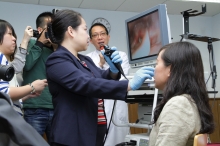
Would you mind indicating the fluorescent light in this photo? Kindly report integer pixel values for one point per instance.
(206, 1)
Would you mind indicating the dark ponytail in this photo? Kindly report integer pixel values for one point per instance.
(62, 20)
(50, 33)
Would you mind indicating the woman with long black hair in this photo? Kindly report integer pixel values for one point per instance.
(184, 110)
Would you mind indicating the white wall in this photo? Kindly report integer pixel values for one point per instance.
(21, 15)
(216, 47)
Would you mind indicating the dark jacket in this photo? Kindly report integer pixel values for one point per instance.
(75, 91)
(14, 131)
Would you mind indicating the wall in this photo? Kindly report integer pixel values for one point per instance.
(216, 47)
(21, 15)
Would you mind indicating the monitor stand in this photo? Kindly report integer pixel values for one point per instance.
(143, 138)
(209, 40)
(191, 13)
(200, 38)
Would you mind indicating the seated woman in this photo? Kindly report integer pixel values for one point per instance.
(184, 110)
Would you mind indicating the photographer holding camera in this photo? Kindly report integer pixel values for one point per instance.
(38, 112)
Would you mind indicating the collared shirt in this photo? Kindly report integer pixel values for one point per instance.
(116, 134)
(96, 59)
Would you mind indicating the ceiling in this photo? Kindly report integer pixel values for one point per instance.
(173, 7)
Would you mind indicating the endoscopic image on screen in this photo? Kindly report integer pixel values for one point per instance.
(145, 35)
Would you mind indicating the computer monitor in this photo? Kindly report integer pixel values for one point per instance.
(146, 33)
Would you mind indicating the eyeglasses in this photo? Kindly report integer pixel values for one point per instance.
(102, 34)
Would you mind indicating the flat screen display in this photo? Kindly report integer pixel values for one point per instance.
(147, 32)
(145, 35)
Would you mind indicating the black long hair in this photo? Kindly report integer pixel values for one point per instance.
(186, 77)
(62, 20)
(4, 25)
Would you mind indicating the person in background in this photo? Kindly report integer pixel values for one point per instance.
(8, 53)
(76, 83)
(15, 131)
(38, 112)
(20, 55)
(184, 110)
(99, 35)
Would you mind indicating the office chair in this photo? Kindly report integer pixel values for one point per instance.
(200, 140)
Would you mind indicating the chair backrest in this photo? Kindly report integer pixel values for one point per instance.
(200, 140)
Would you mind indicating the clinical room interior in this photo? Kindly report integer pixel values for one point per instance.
(21, 13)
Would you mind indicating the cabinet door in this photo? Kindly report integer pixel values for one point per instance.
(133, 116)
(218, 127)
(215, 105)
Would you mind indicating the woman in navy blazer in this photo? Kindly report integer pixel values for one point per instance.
(76, 87)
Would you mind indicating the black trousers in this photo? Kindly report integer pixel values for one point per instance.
(56, 144)
(101, 130)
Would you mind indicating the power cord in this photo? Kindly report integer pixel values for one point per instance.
(106, 133)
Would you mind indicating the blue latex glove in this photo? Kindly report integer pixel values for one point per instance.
(140, 76)
(115, 58)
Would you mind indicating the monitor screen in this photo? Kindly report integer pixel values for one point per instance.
(146, 32)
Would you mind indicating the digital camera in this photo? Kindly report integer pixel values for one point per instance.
(35, 33)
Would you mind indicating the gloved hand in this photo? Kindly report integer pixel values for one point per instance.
(115, 58)
(140, 76)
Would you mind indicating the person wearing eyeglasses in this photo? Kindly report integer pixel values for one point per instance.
(99, 35)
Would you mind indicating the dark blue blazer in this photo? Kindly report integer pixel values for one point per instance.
(75, 90)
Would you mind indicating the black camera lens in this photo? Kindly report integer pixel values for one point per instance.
(6, 72)
(35, 33)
